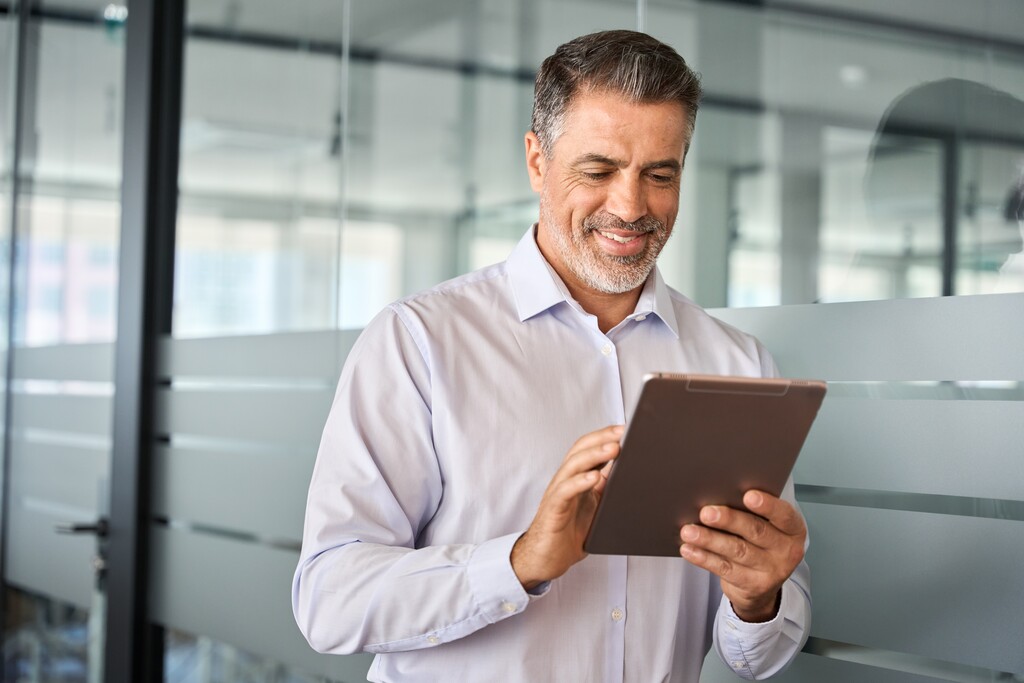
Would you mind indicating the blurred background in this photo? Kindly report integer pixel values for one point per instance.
(333, 155)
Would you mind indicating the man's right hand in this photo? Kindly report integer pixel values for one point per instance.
(554, 541)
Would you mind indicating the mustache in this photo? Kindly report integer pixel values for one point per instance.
(606, 221)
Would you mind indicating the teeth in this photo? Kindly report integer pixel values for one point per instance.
(620, 240)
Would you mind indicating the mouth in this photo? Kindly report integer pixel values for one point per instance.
(621, 243)
(621, 238)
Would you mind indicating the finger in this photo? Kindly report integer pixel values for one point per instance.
(593, 458)
(782, 515)
(564, 495)
(609, 433)
(750, 527)
(605, 472)
(733, 548)
(714, 563)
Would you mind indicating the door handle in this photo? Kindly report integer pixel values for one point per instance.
(98, 528)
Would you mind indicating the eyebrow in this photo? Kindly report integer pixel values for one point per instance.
(592, 158)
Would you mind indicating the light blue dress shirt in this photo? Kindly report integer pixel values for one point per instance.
(454, 409)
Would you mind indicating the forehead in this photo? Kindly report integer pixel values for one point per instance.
(607, 123)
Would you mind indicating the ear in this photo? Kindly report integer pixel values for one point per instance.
(536, 162)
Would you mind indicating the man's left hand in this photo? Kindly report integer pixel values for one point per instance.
(753, 553)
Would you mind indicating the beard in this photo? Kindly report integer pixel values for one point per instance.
(598, 269)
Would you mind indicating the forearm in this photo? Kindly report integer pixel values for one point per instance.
(376, 598)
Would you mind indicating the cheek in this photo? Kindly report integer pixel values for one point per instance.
(664, 207)
(575, 205)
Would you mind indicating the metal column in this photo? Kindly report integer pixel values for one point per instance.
(152, 122)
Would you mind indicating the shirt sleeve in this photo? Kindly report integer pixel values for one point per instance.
(759, 651)
(362, 584)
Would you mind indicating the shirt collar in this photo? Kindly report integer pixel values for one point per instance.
(534, 285)
(537, 287)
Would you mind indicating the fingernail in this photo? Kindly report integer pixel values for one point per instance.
(685, 550)
(609, 447)
(710, 514)
(619, 429)
(689, 533)
(756, 499)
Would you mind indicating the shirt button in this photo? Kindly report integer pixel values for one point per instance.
(641, 317)
(730, 625)
(616, 614)
(607, 349)
(433, 640)
(508, 607)
(737, 665)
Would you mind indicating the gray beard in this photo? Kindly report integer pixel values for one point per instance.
(604, 272)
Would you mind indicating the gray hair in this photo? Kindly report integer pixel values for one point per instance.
(640, 68)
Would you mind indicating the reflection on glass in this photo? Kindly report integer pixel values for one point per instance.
(754, 262)
(68, 222)
(45, 640)
(198, 659)
(69, 208)
(865, 171)
(991, 231)
(887, 243)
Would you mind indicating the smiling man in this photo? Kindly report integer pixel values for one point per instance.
(453, 491)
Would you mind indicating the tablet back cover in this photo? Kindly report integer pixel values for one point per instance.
(698, 440)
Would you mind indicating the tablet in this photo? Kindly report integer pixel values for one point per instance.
(698, 440)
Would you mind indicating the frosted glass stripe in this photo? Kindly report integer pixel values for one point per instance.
(77, 362)
(935, 586)
(929, 391)
(278, 416)
(288, 354)
(267, 490)
(957, 448)
(238, 593)
(810, 668)
(66, 475)
(934, 669)
(953, 338)
(40, 560)
(63, 413)
(832, 662)
(960, 506)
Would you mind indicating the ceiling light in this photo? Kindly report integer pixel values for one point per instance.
(853, 75)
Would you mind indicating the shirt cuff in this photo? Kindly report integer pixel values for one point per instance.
(746, 647)
(789, 609)
(496, 588)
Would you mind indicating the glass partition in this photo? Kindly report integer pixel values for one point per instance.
(849, 152)
(68, 63)
(336, 156)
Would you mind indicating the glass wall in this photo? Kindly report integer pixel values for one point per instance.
(339, 154)
(67, 65)
(844, 153)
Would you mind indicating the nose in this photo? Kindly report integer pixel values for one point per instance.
(626, 199)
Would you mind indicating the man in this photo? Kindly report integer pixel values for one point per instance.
(444, 528)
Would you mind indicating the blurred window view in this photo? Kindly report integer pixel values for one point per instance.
(336, 155)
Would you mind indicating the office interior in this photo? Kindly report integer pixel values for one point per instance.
(204, 202)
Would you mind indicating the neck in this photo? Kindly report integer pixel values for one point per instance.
(610, 309)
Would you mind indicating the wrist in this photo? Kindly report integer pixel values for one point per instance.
(760, 611)
(521, 565)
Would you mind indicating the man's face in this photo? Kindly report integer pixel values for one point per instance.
(609, 194)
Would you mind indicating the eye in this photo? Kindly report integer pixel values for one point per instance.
(662, 178)
(595, 175)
